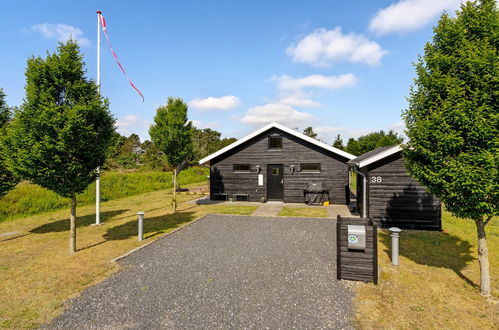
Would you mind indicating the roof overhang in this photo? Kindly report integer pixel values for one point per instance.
(376, 157)
(282, 128)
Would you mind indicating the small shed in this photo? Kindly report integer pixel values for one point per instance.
(389, 196)
(276, 163)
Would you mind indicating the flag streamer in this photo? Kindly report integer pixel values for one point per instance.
(104, 28)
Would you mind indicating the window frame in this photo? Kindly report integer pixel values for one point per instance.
(309, 170)
(273, 136)
(241, 171)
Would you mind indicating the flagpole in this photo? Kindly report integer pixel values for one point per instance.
(97, 180)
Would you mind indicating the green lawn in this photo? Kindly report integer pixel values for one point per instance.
(309, 211)
(28, 199)
(436, 284)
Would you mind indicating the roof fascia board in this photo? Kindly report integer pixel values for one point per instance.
(282, 128)
(381, 155)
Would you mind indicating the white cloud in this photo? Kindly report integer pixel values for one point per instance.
(298, 100)
(133, 124)
(408, 15)
(61, 32)
(287, 83)
(199, 124)
(323, 47)
(281, 113)
(216, 103)
(328, 133)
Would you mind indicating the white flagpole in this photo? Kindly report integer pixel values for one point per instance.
(97, 181)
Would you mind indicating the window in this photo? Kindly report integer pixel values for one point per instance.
(311, 167)
(242, 167)
(275, 142)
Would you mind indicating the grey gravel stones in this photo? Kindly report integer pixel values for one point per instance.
(223, 272)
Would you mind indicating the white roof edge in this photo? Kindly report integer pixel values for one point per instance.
(381, 155)
(282, 128)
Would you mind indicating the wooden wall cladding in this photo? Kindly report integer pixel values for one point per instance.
(356, 265)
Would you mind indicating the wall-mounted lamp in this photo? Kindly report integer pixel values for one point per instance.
(292, 169)
(258, 169)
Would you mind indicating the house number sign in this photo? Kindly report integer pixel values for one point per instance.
(376, 179)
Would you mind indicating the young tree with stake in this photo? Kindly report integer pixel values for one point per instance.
(172, 133)
(62, 131)
(453, 119)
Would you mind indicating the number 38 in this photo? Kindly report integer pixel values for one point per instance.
(376, 179)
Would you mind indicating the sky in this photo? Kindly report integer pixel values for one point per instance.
(342, 67)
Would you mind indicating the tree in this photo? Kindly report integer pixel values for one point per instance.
(7, 179)
(205, 142)
(152, 158)
(372, 141)
(61, 133)
(172, 133)
(309, 131)
(452, 119)
(338, 142)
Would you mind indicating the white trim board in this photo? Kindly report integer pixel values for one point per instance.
(381, 155)
(282, 128)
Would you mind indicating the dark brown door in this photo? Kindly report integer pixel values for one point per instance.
(275, 183)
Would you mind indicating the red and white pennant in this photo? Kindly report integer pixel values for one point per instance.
(104, 28)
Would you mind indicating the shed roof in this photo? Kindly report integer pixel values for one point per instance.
(282, 128)
(375, 155)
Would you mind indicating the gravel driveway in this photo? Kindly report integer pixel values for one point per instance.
(223, 272)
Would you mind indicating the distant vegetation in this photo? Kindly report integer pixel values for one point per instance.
(28, 199)
(368, 142)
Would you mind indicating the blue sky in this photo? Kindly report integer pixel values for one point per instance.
(338, 66)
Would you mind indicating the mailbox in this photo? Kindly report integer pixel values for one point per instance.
(356, 237)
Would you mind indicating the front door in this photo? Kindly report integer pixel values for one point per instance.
(275, 183)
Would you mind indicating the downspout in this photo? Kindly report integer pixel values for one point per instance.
(364, 191)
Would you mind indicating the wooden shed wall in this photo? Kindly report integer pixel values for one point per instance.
(334, 170)
(398, 200)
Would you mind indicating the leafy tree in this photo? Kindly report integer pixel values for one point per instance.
(309, 131)
(7, 179)
(152, 158)
(338, 142)
(62, 131)
(172, 133)
(205, 142)
(452, 119)
(372, 141)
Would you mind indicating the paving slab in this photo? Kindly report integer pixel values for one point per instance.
(223, 272)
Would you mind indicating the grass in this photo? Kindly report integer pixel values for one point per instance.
(37, 274)
(28, 199)
(234, 209)
(314, 212)
(436, 284)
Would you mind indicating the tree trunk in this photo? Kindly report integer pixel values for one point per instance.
(72, 226)
(483, 258)
(174, 190)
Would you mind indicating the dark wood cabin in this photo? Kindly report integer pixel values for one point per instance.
(393, 197)
(276, 163)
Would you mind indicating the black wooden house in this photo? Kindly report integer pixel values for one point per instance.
(389, 196)
(276, 163)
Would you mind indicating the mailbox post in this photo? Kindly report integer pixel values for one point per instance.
(356, 250)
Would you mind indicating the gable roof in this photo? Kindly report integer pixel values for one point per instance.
(282, 128)
(375, 155)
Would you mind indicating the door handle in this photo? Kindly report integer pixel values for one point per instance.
(282, 181)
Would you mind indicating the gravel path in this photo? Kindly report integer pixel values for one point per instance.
(223, 272)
